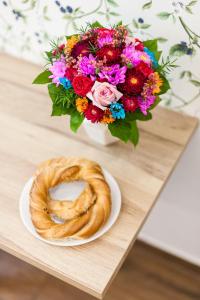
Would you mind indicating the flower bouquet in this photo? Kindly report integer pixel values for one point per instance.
(106, 76)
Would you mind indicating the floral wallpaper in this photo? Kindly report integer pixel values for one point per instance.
(28, 26)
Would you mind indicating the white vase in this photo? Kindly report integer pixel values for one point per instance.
(99, 133)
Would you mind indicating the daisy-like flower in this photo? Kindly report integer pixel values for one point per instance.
(117, 110)
(81, 48)
(58, 71)
(65, 82)
(152, 85)
(144, 69)
(93, 113)
(130, 55)
(134, 82)
(130, 103)
(157, 82)
(81, 104)
(145, 103)
(87, 65)
(111, 54)
(114, 74)
(107, 117)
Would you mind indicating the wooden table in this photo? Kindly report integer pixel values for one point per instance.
(29, 135)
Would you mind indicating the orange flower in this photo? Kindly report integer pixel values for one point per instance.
(107, 117)
(157, 82)
(71, 42)
(81, 104)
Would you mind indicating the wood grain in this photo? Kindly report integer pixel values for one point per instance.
(147, 274)
(29, 135)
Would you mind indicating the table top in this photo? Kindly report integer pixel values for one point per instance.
(29, 135)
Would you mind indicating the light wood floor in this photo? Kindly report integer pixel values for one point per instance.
(147, 274)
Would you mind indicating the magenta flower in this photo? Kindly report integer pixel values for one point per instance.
(58, 70)
(87, 65)
(105, 40)
(114, 74)
(145, 103)
(130, 55)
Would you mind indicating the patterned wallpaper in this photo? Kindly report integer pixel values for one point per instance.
(27, 26)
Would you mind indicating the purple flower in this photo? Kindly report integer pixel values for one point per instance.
(105, 40)
(58, 70)
(133, 56)
(145, 103)
(87, 65)
(114, 74)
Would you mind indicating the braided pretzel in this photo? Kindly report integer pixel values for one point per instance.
(82, 217)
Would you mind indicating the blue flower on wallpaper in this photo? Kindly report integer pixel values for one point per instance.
(67, 9)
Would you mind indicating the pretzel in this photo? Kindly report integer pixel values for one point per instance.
(82, 217)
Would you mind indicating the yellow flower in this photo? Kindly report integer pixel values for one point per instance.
(157, 82)
(107, 117)
(81, 104)
(71, 42)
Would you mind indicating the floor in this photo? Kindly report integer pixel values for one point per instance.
(147, 274)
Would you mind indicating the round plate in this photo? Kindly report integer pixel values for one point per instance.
(72, 190)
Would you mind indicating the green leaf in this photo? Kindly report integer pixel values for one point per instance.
(164, 15)
(49, 55)
(195, 82)
(69, 36)
(147, 5)
(113, 3)
(157, 54)
(177, 50)
(96, 25)
(62, 96)
(188, 10)
(43, 78)
(134, 133)
(161, 40)
(112, 13)
(119, 23)
(137, 115)
(152, 45)
(76, 120)
(135, 24)
(165, 86)
(185, 74)
(145, 26)
(59, 110)
(192, 3)
(120, 129)
(53, 91)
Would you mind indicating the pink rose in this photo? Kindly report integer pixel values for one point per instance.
(103, 94)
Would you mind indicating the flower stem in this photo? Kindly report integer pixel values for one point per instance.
(188, 31)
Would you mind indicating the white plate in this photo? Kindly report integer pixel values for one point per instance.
(72, 190)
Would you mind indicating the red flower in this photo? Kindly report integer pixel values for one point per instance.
(129, 103)
(82, 85)
(139, 45)
(144, 69)
(110, 53)
(134, 82)
(103, 32)
(82, 47)
(94, 113)
(71, 73)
